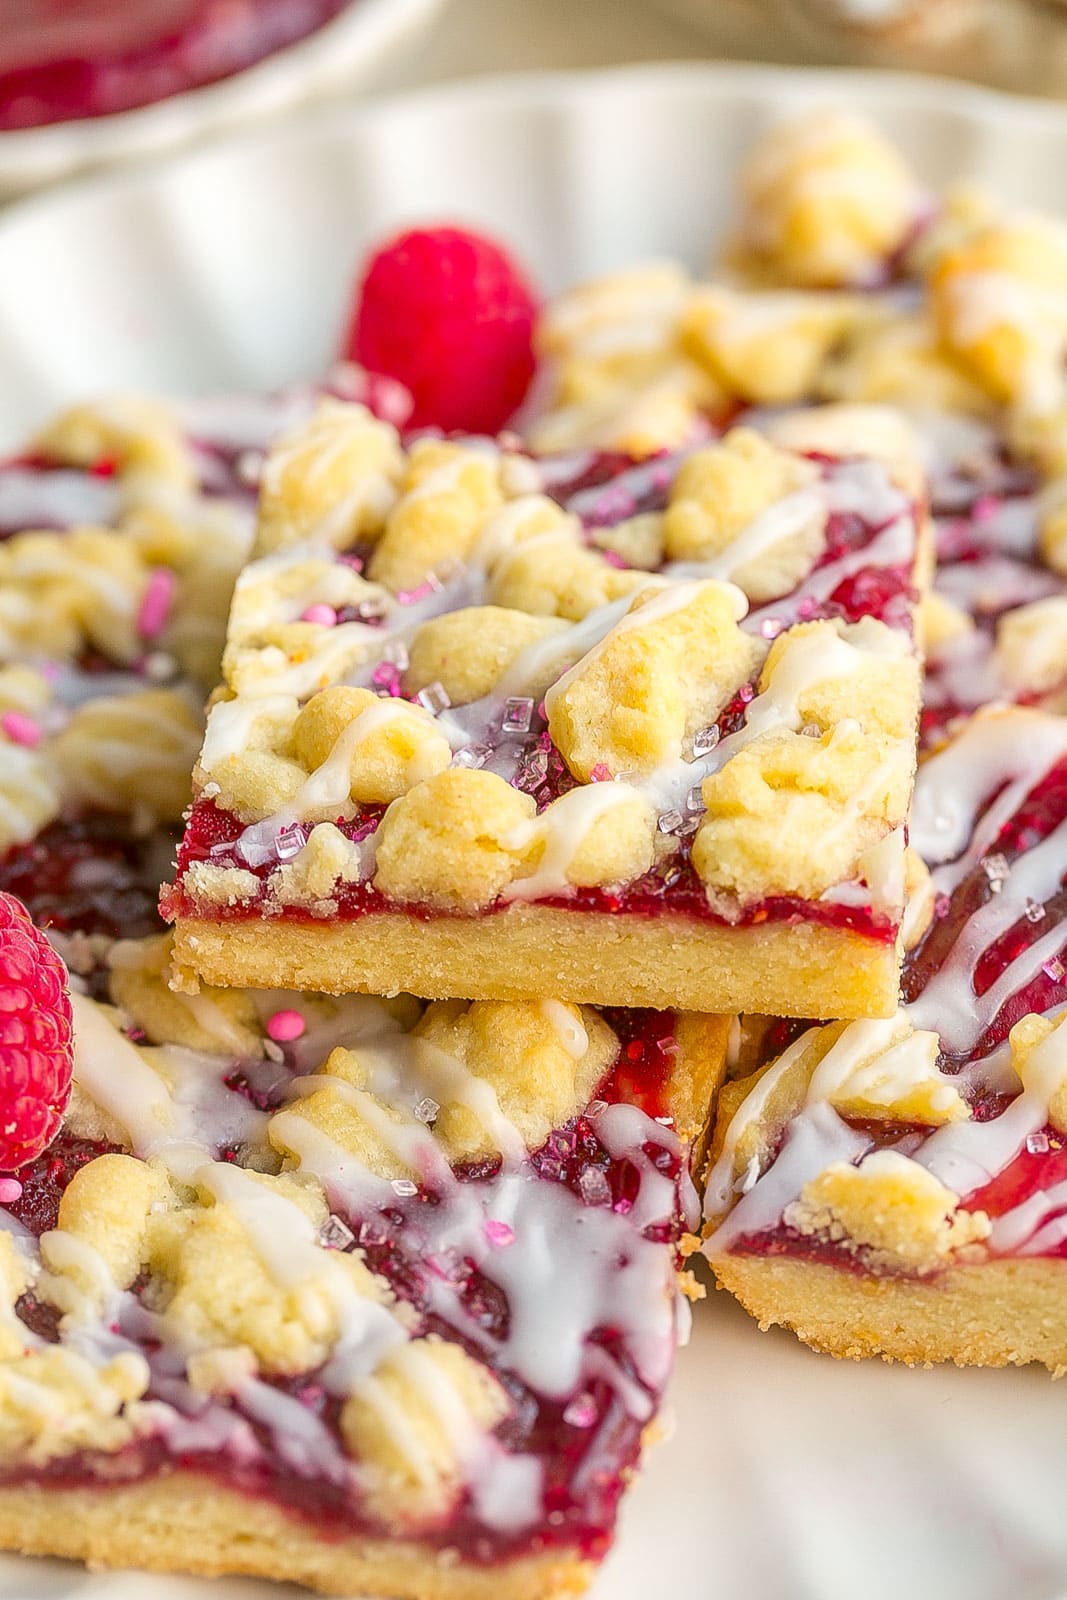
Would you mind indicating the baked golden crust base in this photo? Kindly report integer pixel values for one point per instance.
(1001, 1313)
(667, 962)
(184, 1522)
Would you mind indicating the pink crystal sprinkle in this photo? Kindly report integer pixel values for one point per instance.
(320, 613)
(21, 729)
(581, 1412)
(285, 1025)
(10, 1191)
(601, 773)
(499, 1233)
(155, 607)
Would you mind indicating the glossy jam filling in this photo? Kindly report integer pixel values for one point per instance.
(587, 1446)
(672, 889)
(62, 60)
(90, 875)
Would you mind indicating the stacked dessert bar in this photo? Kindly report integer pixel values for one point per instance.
(555, 850)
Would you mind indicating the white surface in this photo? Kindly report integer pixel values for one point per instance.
(342, 51)
(790, 1477)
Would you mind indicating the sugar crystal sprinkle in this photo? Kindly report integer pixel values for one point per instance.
(290, 842)
(581, 1412)
(996, 869)
(499, 1233)
(1035, 911)
(1054, 969)
(518, 712)
(434, 698)
(596, 1190)
(1037, 1143)
(404, 1187)
(694, 800)
(426, 1110)
(670, 821)
(706, 740)
(473, 755)
(373, 1230)
(335, 1234)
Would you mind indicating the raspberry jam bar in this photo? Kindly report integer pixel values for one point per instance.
(899, 1187)
(371, 1295)
(626, 734)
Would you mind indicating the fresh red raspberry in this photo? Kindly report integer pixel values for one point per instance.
(450, 315)
(36, 1038)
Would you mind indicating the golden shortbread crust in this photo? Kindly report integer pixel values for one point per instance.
(800, 970)
(186, 1522)
(996, 1314)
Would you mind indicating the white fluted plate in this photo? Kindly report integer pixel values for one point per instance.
(789, 1477)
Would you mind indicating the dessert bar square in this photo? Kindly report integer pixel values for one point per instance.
(627, 734)
(899, 1187)
(302, 1309)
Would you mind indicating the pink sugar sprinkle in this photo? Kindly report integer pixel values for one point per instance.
(155, 607)
(408, 597)
(21, 729)
(10, 1191)
(323, 614)
(285, 1025)
(600, 773)
(386, 676)
(499, 1233)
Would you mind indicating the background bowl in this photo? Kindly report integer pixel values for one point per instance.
(335, 56)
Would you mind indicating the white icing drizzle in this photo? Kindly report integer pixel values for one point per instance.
(1024, 1226)
(814, 1140)
(183, 1124)
(59, 499)
(893, 546)
(1005, 752)
(568, 1027)
(948, 1000)
(328, 788)
(560, 829)
(967, 1155)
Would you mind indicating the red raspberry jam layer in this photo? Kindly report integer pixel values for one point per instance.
(89, 58)
(672, 889)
